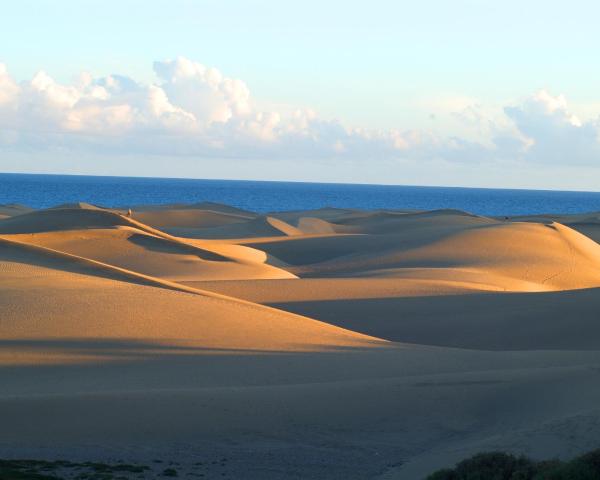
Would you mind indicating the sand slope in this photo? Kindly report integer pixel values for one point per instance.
(321, 344)
(586, 223)
(13, 209)
(87, 302)
(117, 240)
(507, 256)
(429, 312)
(258, 227)
(188, 217)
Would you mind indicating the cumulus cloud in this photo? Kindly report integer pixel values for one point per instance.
(192, 109)
(8, 88)
(202, 91)
(552, 133)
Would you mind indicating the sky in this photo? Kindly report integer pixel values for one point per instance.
(434, 92)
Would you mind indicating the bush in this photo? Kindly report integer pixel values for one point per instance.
(504, 466)
(495, 466)
(445, 474)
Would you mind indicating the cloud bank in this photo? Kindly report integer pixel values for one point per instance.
(194, 110)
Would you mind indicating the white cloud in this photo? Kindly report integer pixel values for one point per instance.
(195, 110)
(552, 134)
(191, 110)
(203, 91)
(9, 90)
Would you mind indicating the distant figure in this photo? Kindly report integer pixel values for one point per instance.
(129, 212)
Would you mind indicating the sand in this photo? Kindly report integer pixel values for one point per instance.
(322, 344)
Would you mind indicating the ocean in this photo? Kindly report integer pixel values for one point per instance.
(41, 191)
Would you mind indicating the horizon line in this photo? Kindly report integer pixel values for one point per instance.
(458, 187)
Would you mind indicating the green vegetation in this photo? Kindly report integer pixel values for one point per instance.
(26, 470)
(503, 466)
(51, 470)
(169, 472)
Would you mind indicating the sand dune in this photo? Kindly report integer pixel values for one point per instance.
(77, 205)
(327, 343)
(509, 256)
(586, 223)
(117, 240)
(259, 227)
(430, 312)
(13, 209)
(190, 218)
(392, 222)
(86, 303)
(203, 206)
(57, 219)
(325, 213)
(135, 250)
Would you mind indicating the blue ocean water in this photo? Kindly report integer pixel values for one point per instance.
(49, 190)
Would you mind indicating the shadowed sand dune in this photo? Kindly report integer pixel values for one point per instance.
(262, 226)
(188, 218)
(199, 206)
(13, 209)
(59, 219)
(508, 256)
(329, 343)
(434, 313)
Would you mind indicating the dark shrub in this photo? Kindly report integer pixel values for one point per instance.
(495, 466)
(445, 474)
(585, 467)
(503, 466)
(592, 459)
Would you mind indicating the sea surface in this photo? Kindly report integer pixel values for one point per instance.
(41, 191)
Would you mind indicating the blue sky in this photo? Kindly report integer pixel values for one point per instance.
(468, 92)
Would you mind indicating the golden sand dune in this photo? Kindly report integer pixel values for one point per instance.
(410, 340)
(586, 223)
(85, 301)
(136, 250)
(509, 256)
(120, 241)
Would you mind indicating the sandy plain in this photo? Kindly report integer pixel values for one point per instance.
(317, 344)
